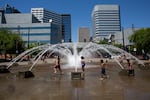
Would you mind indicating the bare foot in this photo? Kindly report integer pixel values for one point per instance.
(101, 79)
(55, 72)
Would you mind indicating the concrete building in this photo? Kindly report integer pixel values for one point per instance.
(105, 20)
(31, 29)
(44, 15)
(84, 34)
(31, 32)
(63, 20)
(26, 26)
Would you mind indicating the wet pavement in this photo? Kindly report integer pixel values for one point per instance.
(48, 86)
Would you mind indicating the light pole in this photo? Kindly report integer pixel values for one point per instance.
(123, 38)
(28, 36)
(17, 41)
(19, 30)
(50, 21)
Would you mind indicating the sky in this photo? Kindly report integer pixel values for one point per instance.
(133, 12)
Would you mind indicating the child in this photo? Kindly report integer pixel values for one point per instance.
(130, 68)
(57, 65)
(82, 63)
(103, 70)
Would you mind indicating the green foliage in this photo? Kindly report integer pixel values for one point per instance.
(118, 45)
(141, 39)
(31, 45)
(9, 41)
(103, 42)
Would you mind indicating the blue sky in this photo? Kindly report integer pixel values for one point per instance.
(135, 12)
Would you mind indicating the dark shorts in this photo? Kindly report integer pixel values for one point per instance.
(58, 66)
(103, 71)
(131, 72)
(83, 65)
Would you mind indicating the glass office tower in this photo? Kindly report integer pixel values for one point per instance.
(66, 27)
(106, 20)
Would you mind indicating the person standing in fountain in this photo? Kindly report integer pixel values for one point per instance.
(57, 65)
(130, 68)
(82, 64)
(103, 70)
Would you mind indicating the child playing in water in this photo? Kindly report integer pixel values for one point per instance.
(82, 63)
(130, 68)
(57, 65)
(103, 70)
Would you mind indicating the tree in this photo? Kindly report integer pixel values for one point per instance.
(10, 42)
(141, 40)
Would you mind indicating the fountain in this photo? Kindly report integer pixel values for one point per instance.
(72, 53)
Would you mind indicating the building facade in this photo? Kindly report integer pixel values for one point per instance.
(105, 20)
(31, 31)
(31, 28)
(44, 16)
(84, 34)
(66, 27)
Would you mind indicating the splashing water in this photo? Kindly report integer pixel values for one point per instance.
(74, 59)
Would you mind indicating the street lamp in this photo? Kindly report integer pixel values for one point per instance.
(19, 30)
(123, 38)
(28, 36)
(50, 21)
(16, 43)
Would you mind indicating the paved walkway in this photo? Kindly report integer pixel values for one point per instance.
(48, 86)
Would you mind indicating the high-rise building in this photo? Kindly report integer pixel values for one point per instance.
(84, 34)
(105, 20)
(44, 15)
(66, 27)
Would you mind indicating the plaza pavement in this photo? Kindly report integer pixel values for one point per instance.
(48, 86)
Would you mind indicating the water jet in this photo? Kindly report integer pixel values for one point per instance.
(72, 53)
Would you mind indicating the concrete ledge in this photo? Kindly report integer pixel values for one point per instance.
(26, 74)
(76, 75)
(3, 69)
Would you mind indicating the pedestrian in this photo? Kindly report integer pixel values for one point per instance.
(103, 70)
(83, 64)
(57, 65)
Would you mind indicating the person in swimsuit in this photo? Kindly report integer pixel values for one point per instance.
(103, 70)
(82, 63)
(57, 65)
